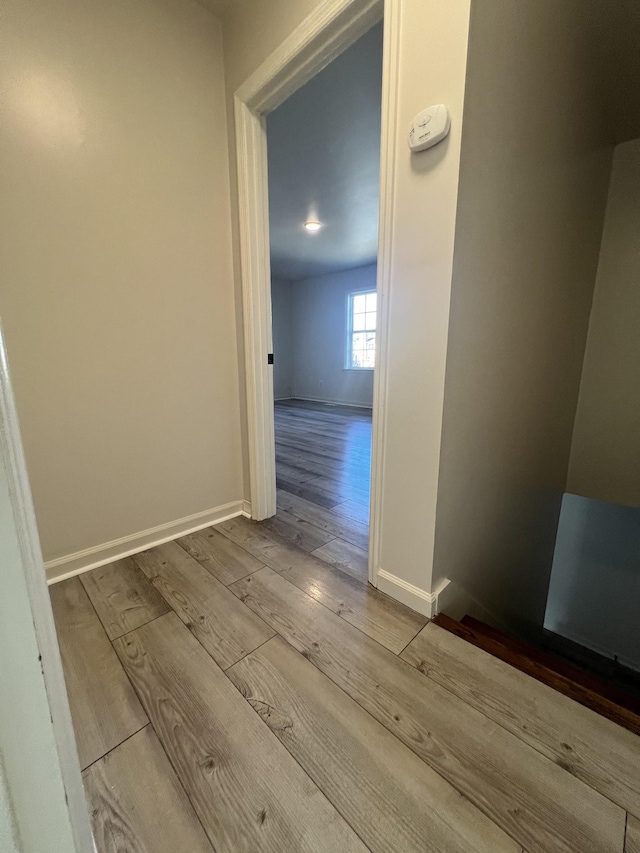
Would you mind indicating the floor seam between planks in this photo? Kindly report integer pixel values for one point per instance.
(118, 745)
(204, 567)
(322, 604)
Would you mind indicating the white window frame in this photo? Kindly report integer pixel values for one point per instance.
(348, 357)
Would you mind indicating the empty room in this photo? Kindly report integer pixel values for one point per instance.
(323, 145)
(318, 426)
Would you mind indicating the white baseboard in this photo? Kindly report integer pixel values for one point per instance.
(331, 402)
(406, 593)
(246, 509)
(284, 397)
(82, 561)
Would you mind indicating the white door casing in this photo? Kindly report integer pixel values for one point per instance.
(42, 805)
(326, 33)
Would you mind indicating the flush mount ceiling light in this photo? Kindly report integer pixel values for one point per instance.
(312, 226)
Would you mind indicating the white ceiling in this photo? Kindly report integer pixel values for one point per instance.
(324, 161)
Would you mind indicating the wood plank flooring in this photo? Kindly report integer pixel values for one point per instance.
(104, 708)
(244, 689)
(633, 835)
(122, 596)
(128, 788)
(246, 788)
(320, 725)
(534, 800)
(602, 754)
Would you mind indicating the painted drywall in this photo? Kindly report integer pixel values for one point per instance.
(319, 338)
(530, 216)
(117, 287)
(594, 594)
(605, 450)
(282, 327)
(424, 196)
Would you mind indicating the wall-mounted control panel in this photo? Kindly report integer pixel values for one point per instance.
(429, 127)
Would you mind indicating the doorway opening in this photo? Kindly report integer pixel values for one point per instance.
(323, 146)
(309, 51)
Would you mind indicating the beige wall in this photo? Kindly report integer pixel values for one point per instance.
(533, 185)
(424, 203)
(605, 451)
(117, 292)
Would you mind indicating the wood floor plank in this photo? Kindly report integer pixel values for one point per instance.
(602, 754)
(633, 835)
(348, 486)
(122, 596)
(353, 509)
(326, 519)
(318, 463)
(295, 444)
(137, 804)
(349, 559)
(394, 801)
(294, 473)
(374, 613)
(220, 557)
(248, 791)
(536, 802)
(316, 495)
(226, 628)
(315, 465)
(104, 708)
(297, 531)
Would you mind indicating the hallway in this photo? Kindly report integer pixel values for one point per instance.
(244, 689)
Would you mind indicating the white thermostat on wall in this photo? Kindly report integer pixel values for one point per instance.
(429, 127)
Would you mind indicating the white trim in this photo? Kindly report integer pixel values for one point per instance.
(390, 85)
(332, 402)
(417, 599)
(82, 561)
(284, 397)
(326, 33)
(348, 342)
(246, 509)
(40, 767)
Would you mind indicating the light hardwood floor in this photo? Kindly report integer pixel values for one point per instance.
(244, 689)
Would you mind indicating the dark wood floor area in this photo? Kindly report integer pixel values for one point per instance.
(245, 689)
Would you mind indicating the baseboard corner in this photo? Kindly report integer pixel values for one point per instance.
(412, 596)
(246, 509)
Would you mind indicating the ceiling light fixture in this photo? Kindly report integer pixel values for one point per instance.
(312, 226)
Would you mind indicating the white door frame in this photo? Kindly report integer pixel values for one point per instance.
(326, 33)
(42, 804)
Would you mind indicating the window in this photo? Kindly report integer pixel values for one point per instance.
(361, 330)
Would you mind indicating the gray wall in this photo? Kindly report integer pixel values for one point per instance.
(595, 582)
(605, 451)
(282, 325)
(530, 215)
(319, 333)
